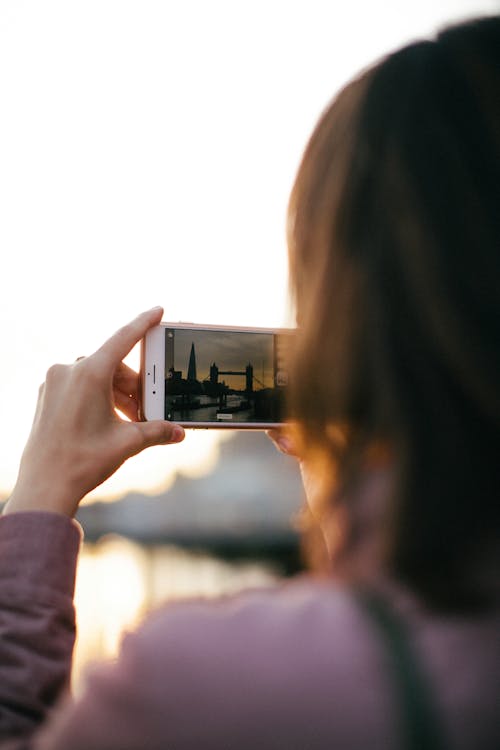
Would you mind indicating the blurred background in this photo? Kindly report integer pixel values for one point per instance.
(147, 150)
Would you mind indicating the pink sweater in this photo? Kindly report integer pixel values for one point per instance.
(297, 668)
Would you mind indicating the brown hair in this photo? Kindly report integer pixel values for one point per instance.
(394, 238)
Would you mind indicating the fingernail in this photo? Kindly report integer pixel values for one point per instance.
(285, 444)
(156, 308)
(177, 434)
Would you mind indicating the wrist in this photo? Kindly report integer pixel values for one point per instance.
(36, 496)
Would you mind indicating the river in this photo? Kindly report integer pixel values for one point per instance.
(119, 581)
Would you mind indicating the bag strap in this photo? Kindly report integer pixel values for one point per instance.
(421, 726)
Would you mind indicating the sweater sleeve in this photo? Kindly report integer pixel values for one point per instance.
(38, 554)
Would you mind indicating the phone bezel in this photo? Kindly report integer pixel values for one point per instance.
(153, 362)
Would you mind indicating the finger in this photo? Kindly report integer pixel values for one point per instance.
(274, 434)
(127, 404)
(126, 380)
(119, 345)
(156, 432)
(282, 441)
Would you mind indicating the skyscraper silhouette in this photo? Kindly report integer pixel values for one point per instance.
(192, 364)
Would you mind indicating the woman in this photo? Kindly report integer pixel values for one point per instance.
(394, 255)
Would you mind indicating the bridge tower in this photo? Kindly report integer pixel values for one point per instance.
(249, 378)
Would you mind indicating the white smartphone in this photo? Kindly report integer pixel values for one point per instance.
(215, 376)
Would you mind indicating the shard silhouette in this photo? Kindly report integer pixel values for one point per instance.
(192, 364)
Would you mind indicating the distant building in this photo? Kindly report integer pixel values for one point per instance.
(191, 374)
(174, 376)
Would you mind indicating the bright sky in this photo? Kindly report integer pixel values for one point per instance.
(147, 150)
(258, 349)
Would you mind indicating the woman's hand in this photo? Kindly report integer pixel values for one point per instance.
(77, 439)
(285, 441)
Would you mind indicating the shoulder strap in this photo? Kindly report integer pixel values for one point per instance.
(420, 724)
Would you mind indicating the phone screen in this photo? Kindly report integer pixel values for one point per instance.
(218, 376)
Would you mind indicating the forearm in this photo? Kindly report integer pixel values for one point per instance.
(38, 553)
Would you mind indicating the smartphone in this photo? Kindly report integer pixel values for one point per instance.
(211, 376)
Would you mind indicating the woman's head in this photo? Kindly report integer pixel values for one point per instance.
(394, 233)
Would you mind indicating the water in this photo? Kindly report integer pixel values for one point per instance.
(119, 581)
(208, 410)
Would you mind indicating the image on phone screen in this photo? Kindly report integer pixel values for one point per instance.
(225, 376)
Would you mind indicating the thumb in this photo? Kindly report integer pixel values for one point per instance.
(157, 432)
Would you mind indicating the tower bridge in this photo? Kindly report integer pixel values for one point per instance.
(247, 373)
